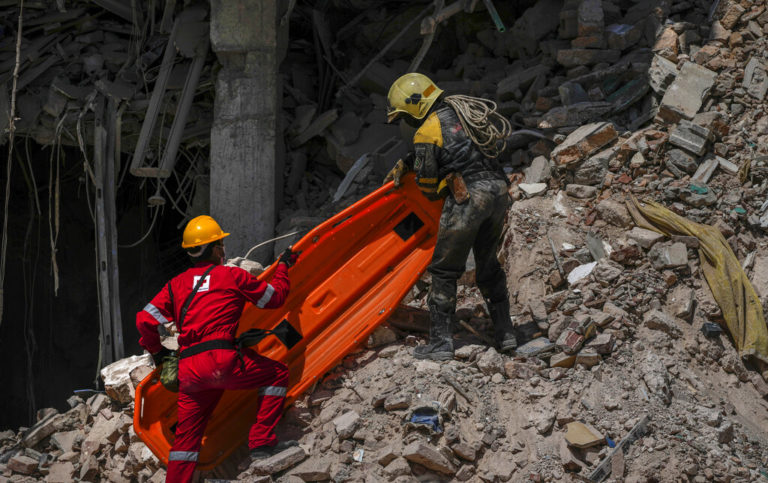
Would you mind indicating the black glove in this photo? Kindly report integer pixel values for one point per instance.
(158, 356)
(289, 257)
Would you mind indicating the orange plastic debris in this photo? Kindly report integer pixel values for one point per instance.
(354, 270)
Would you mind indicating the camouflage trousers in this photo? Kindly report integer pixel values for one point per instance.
(477, 225)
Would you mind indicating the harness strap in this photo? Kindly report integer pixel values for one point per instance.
(208, 345)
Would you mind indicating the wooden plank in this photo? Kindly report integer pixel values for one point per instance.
(182, 111)
(55, 17)
(167, 21)
(137, 168)
(111, 174)
(102, 264)
(34, 72)
(121, 9)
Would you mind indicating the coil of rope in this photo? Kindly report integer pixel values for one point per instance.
(486, 128)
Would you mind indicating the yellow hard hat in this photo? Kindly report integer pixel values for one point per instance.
(412, 94)
(201, 230)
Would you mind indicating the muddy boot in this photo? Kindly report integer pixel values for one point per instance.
(440, 345)
(503, 328)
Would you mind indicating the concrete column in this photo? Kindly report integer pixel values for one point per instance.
(245, 169)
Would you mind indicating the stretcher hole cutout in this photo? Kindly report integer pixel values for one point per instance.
(410, 225)
(324, 299)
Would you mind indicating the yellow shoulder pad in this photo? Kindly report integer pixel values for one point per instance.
(430, 132)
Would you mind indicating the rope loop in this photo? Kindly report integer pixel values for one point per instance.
(486, 128)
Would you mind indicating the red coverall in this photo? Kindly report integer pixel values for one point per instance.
(214, 314)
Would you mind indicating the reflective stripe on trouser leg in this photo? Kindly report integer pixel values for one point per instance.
(273, 391)
(262, 431)
(183, 455)
(271, 379)
(194, 411)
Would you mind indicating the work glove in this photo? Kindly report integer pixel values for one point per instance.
(158, 356)
(396, 173)
(289, 257)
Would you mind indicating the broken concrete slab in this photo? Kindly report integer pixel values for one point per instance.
(622, 36)
(731, 15)
(580, 191)
(570, 341)
(601, 344)
(539, 171)
(697, 195)
(705, 171)
(583, 142)
(681, 163)
(755, 79)
(614, 213)
(580, 272)
(562, 360)
(41, 430)
(65, 440)
(668, 255)
(666, 45)
(581, 435)
(644, 238)
(532, 189)
(575, 114)
(22, 464)
(537, 346)
(117, 377)
(279, 462)
(588, 358)
(690, 137)
(683, 99)
(727, 166)
(314, 469)
(428, 457)
(346, 424)
(60, 472)
(682, 301)
(592, 171)
(656, 319)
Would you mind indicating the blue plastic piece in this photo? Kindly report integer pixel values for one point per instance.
(428, 417)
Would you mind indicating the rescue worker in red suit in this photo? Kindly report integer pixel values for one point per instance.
(208, 363)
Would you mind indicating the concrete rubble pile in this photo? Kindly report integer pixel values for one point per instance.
(92, 441)
(625, 371)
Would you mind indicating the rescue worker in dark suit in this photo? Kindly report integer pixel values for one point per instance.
(442, 147)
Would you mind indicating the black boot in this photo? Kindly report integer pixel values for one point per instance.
(440, 345)
(503, 328)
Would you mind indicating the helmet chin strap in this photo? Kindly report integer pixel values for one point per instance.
(198, 252)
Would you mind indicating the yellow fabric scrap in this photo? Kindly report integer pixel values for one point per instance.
(730, 286)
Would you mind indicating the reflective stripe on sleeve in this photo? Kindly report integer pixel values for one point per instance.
(183, 455)
(155, 312)
(264, 300)
(272, 391)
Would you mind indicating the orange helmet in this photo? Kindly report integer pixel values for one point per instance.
(200, 231)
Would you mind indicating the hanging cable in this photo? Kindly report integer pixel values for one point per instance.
(486, 128)
(11, 131)
(152, 225)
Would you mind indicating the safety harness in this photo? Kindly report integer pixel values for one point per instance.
(284, 332)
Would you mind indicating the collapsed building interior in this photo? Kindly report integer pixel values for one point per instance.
(122, 121)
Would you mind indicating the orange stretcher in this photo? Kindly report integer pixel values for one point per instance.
(354, 270)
